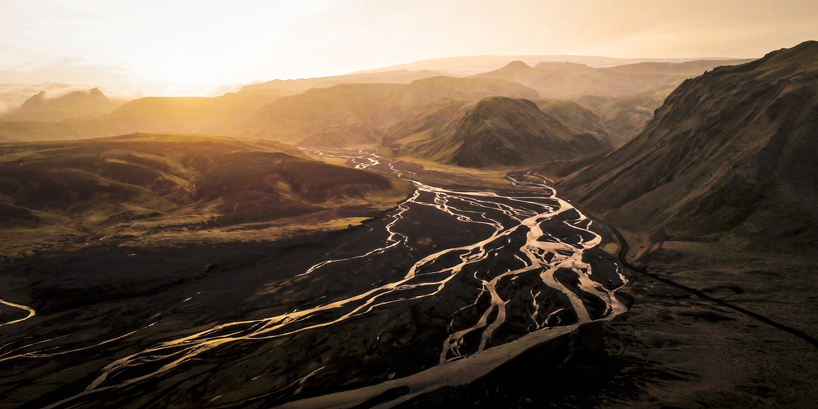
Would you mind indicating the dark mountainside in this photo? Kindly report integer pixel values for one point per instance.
(354, 114)
(507, 132)
(731, 155)
(76, 104)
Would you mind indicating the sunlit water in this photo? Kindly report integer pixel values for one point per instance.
(535, 264)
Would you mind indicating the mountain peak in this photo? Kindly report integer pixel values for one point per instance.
(492, 104)
(562, 66)
(501, 131)
(75, 104)
(516, 65)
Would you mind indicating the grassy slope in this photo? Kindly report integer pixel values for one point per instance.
(143, 189)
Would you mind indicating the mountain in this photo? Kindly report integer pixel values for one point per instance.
(731, 155)
(501, 131)
(433, 123)
(355, 114)
(464, 66)
(687, 68)
(336, 116)
(562, 66)
(76, 104)
(568, 80)
(72, 117)
(576, 116)
(623, 97)
(182, 115)
(442, 118)
(300, 85)
(201, 115)
(160, 186)
(624, 116)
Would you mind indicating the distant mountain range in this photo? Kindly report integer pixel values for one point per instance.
(76, 104)
(399, 109)
(569, 80)
(384, 77)
(464, 66)
(355, 114)
(730, 154)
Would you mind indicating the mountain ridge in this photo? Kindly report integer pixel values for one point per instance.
(502, 131)
(728, 156)
(75, 104)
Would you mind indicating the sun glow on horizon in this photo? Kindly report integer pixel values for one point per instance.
(184, 69)
(155, 45)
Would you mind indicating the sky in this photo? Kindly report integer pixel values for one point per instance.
(191, 47)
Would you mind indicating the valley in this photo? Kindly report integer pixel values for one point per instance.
(486, 231)
(556, 281)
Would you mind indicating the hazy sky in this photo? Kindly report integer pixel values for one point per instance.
(184, 46)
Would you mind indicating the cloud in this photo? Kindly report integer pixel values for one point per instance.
(12, 96)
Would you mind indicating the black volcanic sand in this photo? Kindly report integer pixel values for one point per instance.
(673, 349)
(105, 292)
(104, 303)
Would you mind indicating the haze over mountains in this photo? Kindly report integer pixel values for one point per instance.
(465, 66)
(75, 104)
(348, 115)
(569, 80)
(611, 103)
(487, 120)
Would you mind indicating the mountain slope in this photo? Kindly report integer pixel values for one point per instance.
(443, 118)
(433, 123)
(479, 64)
(300, 85)
(623, 97)
(182, 115)
(144, 187)
(731, 154)
(623, 117)
(575, 116)
(501, 131)
(354, 114)
(568, 80)
(216, 115)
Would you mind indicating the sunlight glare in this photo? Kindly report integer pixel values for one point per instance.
(184, 69)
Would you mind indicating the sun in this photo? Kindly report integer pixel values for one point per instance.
(184, 69)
